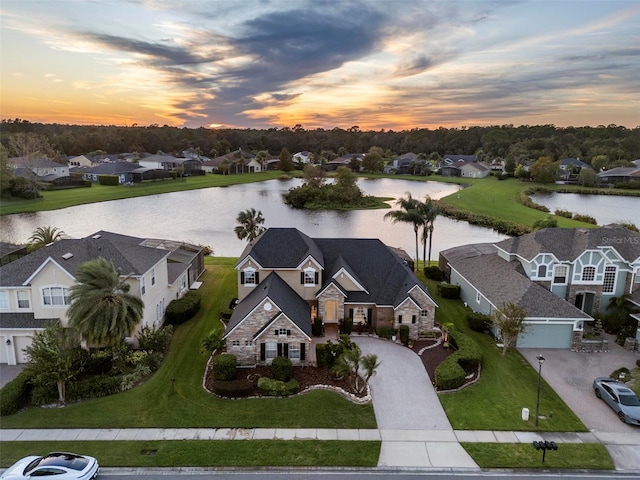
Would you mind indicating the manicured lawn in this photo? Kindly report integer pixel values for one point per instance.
(588, 456)
(99, 193)
(159, 402)
(207, 453)
(507, 384)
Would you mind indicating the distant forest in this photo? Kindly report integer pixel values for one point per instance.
(619, 144)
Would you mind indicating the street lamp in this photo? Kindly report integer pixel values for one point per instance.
(540, 362)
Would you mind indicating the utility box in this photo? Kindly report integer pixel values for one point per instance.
(525, 414)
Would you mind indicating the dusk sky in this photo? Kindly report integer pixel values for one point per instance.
(377, 64)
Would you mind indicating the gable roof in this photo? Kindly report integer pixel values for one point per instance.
(567, 244)
(111, 168)
(127, 254)
(281, 248)
(280, 293)
(502, 282)
(565, 162)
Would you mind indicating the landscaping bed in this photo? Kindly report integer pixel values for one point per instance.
(307, 377)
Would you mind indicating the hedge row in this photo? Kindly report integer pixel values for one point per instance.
(15, 394)
(478, 321)
(433, 273)
(500, 226)
(451, 373)
(182, 309)
(447, 290)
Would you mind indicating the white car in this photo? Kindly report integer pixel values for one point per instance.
(58, 465)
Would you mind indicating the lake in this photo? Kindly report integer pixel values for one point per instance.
(604, 208)
(208, 217)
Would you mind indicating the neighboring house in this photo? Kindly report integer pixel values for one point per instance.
(560, 276)
(287, 279)
(127, 172)
(570, 168)
(449, 159)
(473, 169)
(344, 160)
(191, 166)
(401, 164)
(238, 161)
(79, 161)
(302, 158)
(618, 175)
(35, 288)
(40, 166)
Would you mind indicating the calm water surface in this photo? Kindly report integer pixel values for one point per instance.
(208, 217)
(604, 208)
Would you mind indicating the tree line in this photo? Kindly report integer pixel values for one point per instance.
(617, 143)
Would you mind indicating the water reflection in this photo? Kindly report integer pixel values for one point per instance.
(207, 217)
(604, 208)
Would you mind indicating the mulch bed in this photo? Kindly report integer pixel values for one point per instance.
(306, 377)
(431, 357)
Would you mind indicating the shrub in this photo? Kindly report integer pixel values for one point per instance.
(327, 353)
(233, 388)
(347, 326)
(15, 394)
(94, 387)
(630, 185)
(182, 309)
(281, 369)
(111, 180)
(563, 213)
(224, 366)
(385, 332)
(404, 334)
(447, 290)
(585, 218)
(449, 374)
(616, 374)
(44, 393)
(277, 388)
(316, 328)
(478, 321)
(468, 353)
(433, 273)
(152, 340)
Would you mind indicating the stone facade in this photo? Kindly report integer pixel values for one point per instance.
(410, 314)
(331, 293)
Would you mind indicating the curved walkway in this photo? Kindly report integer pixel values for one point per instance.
(414, 429)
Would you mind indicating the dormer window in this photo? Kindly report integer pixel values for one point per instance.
(309, 278)
(588, 274)
(249, 277)
(542, 271)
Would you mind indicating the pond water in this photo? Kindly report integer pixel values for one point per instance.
(208, 217)
(604, 208)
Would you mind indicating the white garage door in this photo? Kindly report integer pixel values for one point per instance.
(20, 344)
(4, 358)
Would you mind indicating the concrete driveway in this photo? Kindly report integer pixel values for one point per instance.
(403, 396)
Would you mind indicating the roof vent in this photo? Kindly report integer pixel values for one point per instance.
(97, 236)
(67, 255)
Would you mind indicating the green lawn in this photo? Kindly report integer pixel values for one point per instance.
(587, 456)
(184, 403)
(507, 384)
(207, 453)
(54, 200)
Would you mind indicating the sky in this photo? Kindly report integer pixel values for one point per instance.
(375, 64)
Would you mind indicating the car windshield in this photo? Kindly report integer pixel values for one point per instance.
(66, 460)
(629, 400)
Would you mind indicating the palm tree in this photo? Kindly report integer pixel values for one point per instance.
(44, 236)
(369, 364)
(409, 213)
(429, 211)
(102, 309)
(250, 223)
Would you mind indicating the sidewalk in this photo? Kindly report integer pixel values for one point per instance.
(400, 448)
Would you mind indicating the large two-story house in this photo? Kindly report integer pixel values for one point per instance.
(560, 276)
(287, 279)
(35, 288)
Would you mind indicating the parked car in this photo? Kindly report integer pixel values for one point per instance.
(619, 397)
(58, 465)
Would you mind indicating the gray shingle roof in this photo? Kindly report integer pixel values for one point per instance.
(124, 251)
(567, 244)
(23, 320)
(282, 295)
(282, 248)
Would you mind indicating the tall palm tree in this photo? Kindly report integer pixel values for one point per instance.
(250, 224)
(44, 236)
(409, 213)
(102, 310)
(430, 211)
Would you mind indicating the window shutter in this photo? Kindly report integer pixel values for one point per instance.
(276, 332)
(302, 352)
(286, 350)
(302, 278)
(263, 352)
(242, 278)
(369, 315)
(413, 319)
(257, 278)
(279, 349)
(399, 318)
(317, 278)
(351, 313)
(288, 332)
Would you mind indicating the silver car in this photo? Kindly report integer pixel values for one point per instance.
(58, 465)
(620, 398)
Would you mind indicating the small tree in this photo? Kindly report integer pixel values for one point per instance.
(510, 319)
(212, 343)
(55, 356)
(286, 161)
(250, 224)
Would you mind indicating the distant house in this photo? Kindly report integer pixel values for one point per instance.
(34, 289)
(79, 161)
(39, 166)
(191, 166)
(344, 161)
(127, 172)
(238, 161)
(401, 164)
(287, 279)
(570, 168)
(560, 276)
(449, 158)
(618, 175)
(302, 158)
(463, 168)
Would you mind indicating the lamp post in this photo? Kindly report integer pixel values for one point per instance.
(540, 362)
